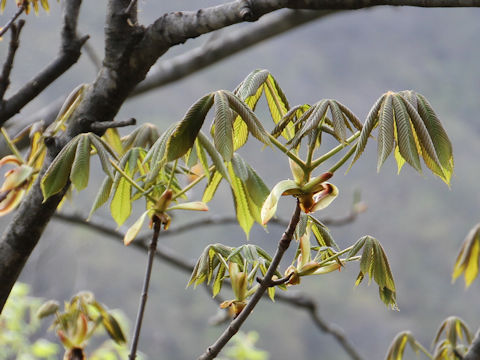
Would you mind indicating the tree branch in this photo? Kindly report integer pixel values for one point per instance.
(226, 45)
(176, 28)
(5, 28)
(68, 55)
(7, 66)
(298, 300)
(152, 248)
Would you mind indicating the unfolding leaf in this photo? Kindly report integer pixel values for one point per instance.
(270, 205)
(455, 329)
(113, 328)
(374, 263)
(468, 258)
(47, 308)
(194, 206)
(397, 347)
(133, 230)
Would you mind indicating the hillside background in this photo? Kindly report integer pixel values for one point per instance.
(353, 57)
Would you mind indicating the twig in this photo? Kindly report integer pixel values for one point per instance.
(103, 126)
(276, 282)
(10, 22)
(7, 66)
(297, 300)
(235, 325)
(157, 223)
(68, 55)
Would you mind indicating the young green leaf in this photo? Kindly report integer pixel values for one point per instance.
(187, 129)
(374, 263)
(244, 217)
(270, 205)
(113, 328)
(81, 164)
(212, 187)
(133, 230)
(223, 135)
(57, 174)
(398, 345)
(102, 195)
(468, 258)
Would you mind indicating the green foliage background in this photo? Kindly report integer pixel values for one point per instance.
(352, 57)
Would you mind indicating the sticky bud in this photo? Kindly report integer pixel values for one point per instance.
(164, 201)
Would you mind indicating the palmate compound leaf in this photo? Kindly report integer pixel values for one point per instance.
(397, 347)
(216, 259)
(406, 120)
(261, 81)
(374, 264)
(455, 330)
(468, 258)
(315, 117)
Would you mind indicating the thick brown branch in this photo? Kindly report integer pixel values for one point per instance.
(68, 55)
(103, 126)
(176, 28)
(23, 232)
(226, 45)
(7, 66)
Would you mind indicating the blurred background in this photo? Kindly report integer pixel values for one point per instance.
(352, 57)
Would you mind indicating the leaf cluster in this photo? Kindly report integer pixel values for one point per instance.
(408, 125)
(80, 319)
(374, 264)
(214, 266)
(451, 342)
